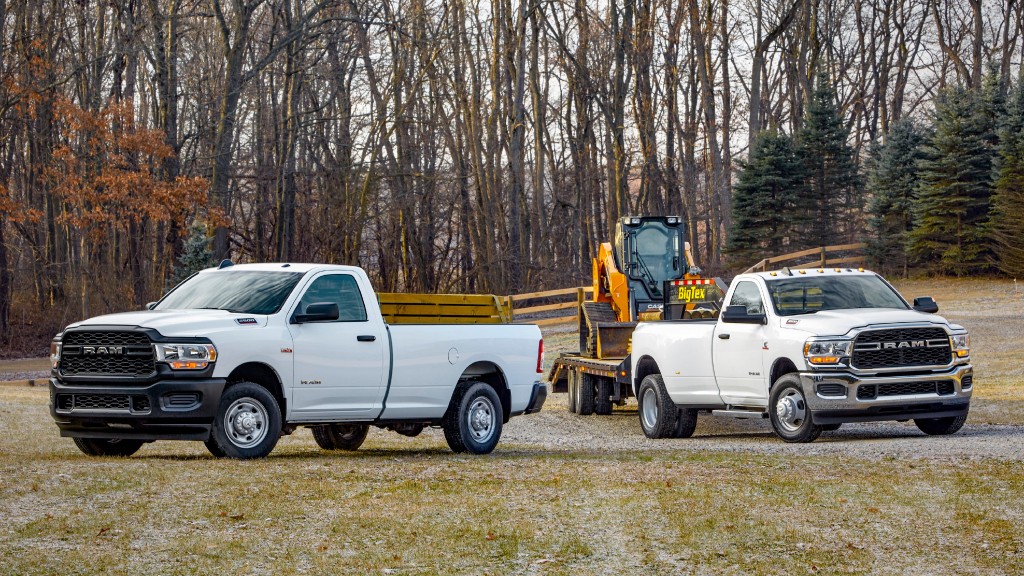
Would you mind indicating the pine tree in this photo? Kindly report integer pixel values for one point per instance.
(1007, 226)
(196, 255)
(834, 183)
(892, 184)
(769, 189)
(952, 207)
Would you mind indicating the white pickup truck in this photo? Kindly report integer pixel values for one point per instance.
(810, 350)
(239, 355)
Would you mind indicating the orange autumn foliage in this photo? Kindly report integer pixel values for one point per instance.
(106, 172)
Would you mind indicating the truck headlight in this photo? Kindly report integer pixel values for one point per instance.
(827, 352)
(55, 352)
(960, 342)
(186, 356)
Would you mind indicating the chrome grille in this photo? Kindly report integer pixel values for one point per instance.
(901, 347)
(107, 353)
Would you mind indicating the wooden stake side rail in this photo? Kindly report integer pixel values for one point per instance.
(399, 308)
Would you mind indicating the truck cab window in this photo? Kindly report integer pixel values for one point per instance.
(340, 289)
(747, 295)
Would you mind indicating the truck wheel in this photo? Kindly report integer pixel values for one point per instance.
(473, 420)
(940, 426)
(248, 422)
(571, 384)
(686, 423)
(658, 414)
(603, 405)
(108, 446)
(585, 394)
(213, 448)
(340, 436)
(790, 415)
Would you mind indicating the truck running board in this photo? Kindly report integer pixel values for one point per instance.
(743, 414)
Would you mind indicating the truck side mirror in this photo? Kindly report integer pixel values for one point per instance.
(926, 304)
(318, 312)
(738, 314)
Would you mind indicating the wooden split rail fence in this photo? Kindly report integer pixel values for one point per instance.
(561, 306)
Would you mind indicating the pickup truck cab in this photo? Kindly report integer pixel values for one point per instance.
(810, 350)
(239, 355)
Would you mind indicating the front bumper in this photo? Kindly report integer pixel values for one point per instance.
(161, 410)
(537, 398)
(843, 397)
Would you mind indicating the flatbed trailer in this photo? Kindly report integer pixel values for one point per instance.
(606, 379)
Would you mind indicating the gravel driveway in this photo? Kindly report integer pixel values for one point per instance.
(555, 428)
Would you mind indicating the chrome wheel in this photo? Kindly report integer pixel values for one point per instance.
(245, 422)
(481, 419)
(791, 410)
(649, 408)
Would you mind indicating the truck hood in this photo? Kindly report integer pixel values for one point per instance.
(185, 323)
(839, 322)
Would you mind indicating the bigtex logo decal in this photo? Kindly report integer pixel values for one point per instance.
(688, 293)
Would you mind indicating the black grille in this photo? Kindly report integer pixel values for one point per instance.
(966, 382)
(872, 391)
(107, 353)
(831, 389)
(870, 349)
(122, 402)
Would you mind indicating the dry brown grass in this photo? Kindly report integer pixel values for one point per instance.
(408, 506)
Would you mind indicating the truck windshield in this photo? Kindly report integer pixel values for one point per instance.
(246, 292)
(807, 295)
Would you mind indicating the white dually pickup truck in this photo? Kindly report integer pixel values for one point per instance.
(238, 355)
(809, 350)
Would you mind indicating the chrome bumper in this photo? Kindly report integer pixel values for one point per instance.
(842, 397)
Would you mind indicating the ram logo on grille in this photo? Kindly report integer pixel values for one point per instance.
(97, 350)
(910, 344)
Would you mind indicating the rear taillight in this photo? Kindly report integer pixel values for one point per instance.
(540, 356)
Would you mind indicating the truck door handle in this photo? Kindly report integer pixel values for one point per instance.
(367, 338)
(723, 336)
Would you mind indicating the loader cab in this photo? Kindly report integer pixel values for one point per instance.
(650, 250)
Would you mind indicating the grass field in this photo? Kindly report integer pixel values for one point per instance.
(408, 506)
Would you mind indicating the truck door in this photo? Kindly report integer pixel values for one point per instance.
(738, 353)
(339, 364)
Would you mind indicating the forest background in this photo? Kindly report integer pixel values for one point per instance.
(488, 146)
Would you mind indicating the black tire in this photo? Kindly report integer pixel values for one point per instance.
(830, 427)
(940, 426)
(571, 385)
(659, 416)
(248, 422)
(108, 446)
(214, 448)
(474, 419)
(585, 392)
(789, 412)
(686, 423)
(340, 436)
(603, 403)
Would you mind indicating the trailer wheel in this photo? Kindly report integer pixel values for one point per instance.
(658, 414)
(940, 426)
(571, 385)
(603, 405)
(474, 418)
(108, 446)
(585, 394)
(790, 415)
